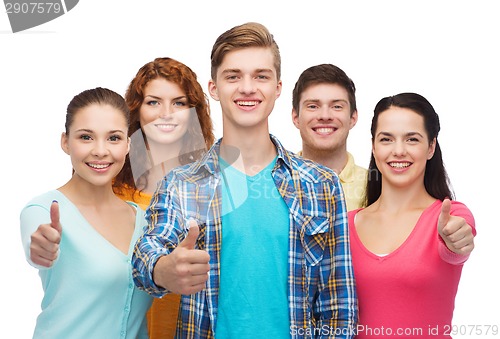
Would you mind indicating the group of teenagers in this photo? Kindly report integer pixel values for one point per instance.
(162, 231)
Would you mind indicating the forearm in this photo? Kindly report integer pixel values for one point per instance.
(144, 259)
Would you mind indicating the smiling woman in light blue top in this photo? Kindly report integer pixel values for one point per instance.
(81, 235)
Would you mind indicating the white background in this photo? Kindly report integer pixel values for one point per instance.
(445, 50)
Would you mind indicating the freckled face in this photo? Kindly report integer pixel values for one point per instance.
(164, 113)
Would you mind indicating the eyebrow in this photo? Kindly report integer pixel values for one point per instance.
(152, 96)
(236, 70)
(409, 134)
(330, 101)
(158, 98)
(91, 131)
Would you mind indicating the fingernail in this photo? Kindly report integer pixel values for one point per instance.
(55, 201)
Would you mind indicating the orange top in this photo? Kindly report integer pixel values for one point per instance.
(162, 316)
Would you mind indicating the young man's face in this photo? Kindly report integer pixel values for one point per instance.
(324, 118)
(246, 86)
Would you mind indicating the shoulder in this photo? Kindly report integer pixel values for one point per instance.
(311, 171)
(461, 210)
(192, 172)
(307, 170)
(197, 170)
(45, 199)
(458, 209)
(355, 167)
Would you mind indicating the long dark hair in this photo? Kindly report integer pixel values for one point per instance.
(436, 180)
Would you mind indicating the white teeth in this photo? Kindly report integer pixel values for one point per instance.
(165, 126)
(324, 130)
(247, 103)
(98, 166)
(399, 164)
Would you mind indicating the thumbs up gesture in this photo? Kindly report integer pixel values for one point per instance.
(454, 231)
(44, 247)
(185, 269)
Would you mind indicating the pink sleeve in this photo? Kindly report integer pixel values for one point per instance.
(460, 210)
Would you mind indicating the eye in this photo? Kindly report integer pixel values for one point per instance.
(180, 104)
(262, 77)
(232, 77)
(413, 140)
(152, 103)
(385, 139)
(115, 138)
(85, 137)
(312, 106)
(338, 107)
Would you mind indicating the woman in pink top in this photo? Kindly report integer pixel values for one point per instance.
(410, 243)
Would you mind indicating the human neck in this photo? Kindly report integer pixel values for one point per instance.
(397, 199)
(333, 159)
(81, 192)
(164, 153)
(248, 151)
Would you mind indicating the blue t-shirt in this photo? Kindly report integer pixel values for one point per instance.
(253, 300)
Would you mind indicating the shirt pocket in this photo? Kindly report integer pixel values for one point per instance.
(313, 234)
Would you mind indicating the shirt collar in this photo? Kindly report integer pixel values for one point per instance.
(210, 161)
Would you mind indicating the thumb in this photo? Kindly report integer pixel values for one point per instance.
(54, 216)
(189, 241)
(444, 216)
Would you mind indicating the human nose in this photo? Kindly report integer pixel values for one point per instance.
(399, 148)
(100, 148)
(166, 112)
(247, 85)
(324, 113)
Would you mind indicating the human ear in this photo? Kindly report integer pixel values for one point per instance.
(295, 118)
(64, 143)
(212, 89)
(432, 149)
(354, 119)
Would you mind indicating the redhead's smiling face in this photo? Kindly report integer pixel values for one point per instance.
(164, 113)
(401, 147)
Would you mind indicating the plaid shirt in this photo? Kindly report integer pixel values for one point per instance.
(321, 289)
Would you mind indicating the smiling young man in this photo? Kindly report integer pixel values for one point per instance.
(324, 110)
(254, 237)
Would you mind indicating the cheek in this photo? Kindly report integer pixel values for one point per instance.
(379, 153)
(77, 151)
(185, 118)
(120, 152)
(146, 115)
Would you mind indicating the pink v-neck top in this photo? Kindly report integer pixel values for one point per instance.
(411, 291)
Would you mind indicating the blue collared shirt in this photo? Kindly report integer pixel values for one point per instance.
(321, 287)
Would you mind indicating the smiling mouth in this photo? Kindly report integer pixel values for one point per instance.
(166, 127)
(400, 165)
(324, 130)
(247, 103)
(98, 166)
